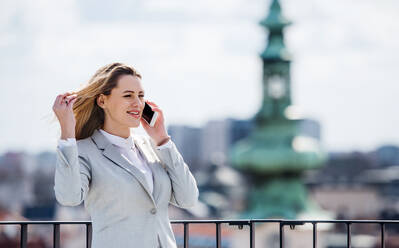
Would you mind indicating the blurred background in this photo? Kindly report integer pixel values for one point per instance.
(281, 109)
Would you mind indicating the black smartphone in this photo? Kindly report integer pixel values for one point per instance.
(149, 116)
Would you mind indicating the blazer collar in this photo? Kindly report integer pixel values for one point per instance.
(111, 152)
(119, 141)
(99, 139)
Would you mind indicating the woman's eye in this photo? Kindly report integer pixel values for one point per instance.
(141, 96)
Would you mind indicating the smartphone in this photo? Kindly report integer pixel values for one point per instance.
(149, 116)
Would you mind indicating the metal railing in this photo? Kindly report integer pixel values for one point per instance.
(240, 223)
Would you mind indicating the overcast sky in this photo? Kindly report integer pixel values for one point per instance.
(200, 61)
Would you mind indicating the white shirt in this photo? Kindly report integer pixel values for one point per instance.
(128, 150)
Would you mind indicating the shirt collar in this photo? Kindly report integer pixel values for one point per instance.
(119, 141)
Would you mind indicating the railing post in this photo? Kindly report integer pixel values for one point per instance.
(56, 235)
(24, 235)
(382, 235)
(89, 232)
(281, 235)
(251, 234)
(186, 229)
(314, 235)
(348, 233)
(218, 236)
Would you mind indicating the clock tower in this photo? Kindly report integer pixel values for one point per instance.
(279, 149)
(276, 68)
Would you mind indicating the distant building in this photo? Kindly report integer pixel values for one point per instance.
(349, 180)
(203, 146)
(239, 129)
(15, 184)
(26, 184)
(188, 142)
(387, 155)
(310, 128)
(205, 149)
(219, 135)
(214, 141)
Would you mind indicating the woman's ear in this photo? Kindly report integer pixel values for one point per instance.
(100, 100)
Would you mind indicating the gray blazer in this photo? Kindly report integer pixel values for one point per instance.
(116, 195)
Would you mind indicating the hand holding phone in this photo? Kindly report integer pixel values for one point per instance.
(149, 115)
(152, 114)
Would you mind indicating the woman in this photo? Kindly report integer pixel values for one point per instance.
(126, 181)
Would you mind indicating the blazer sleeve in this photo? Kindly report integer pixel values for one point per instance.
(184, 187)
(72, 176)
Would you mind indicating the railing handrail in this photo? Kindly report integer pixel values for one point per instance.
(44, 222)
(238, 222)
(234, 221)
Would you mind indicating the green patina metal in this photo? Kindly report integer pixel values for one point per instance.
(275, 23)
(276, 153)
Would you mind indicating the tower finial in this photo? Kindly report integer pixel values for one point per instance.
(275, 22)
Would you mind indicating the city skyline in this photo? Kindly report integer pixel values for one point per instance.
(343, 70)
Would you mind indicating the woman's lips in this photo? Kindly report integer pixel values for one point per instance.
(137, 116)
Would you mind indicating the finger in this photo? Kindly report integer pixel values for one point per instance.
(61, 99)
(64, 102)
(152, 104)
(157, 109)
(71, 102)
(69, 98)
(57, 100)
(68, 94)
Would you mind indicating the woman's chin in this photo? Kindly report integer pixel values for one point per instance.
(134, 124)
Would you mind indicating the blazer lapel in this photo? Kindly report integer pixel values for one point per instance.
(142, 146)
(111, 152)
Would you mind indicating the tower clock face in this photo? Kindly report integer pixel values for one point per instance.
(276, 87)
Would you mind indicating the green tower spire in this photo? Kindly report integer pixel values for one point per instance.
(275, 23)
(278, 151)
(276, 68)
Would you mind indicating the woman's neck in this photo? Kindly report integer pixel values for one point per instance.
(123, 132)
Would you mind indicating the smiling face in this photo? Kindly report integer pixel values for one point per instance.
(124, 106)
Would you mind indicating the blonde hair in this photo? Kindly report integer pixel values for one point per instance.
(89, 116)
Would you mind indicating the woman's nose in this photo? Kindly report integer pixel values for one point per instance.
(138, 103)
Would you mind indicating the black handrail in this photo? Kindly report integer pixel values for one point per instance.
(240, 223)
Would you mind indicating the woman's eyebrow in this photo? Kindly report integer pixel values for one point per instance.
(126, 91)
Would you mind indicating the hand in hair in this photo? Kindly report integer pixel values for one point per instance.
(62, 108)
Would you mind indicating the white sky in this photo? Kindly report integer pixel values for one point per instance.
(199, 61)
